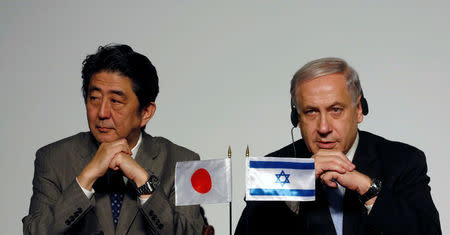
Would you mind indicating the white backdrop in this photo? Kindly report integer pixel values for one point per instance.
(224, 69)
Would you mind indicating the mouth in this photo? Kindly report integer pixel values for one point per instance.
(326, 144)
(103, 129)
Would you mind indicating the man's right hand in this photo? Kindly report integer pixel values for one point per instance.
(330, 160)
(99, 164)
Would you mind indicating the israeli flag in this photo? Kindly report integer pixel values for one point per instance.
(280, 179)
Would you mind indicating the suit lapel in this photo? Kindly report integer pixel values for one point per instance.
(147, 158)
(103, 212)
(85, 150)
(365, 156)
(128, 211)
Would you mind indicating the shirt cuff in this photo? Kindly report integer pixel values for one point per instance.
(369, 208)
(88, 193)
(143, 200)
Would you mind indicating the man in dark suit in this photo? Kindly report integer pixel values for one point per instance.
(115, 179)
(365, 184)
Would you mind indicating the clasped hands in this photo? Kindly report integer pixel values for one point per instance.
(334, 167)
(115, 155)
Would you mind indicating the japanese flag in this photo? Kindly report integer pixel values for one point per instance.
(203, 182)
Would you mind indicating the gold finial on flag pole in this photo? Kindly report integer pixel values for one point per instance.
(230, 206)
(247, 152)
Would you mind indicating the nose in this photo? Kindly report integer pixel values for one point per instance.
(324, 125)
(105, 110)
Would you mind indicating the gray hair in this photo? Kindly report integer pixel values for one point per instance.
(327, 66)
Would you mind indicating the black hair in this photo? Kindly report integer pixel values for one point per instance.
(122, 59)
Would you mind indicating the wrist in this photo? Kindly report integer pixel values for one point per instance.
(369, 197)
(364, 185)
(85, 180)
(141, 178)
(148, 187)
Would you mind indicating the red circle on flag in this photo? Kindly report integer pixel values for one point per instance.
(201, 181)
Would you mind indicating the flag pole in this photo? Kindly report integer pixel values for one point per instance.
(229, 204)
(247, 154)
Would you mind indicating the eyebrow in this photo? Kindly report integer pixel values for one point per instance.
(93, 88)
(330, 106)
(337, 103)
(115, 92)
(119, 93)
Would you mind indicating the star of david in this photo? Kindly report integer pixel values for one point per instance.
(286, 178)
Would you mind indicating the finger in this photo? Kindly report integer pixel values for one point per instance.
(122, 144)
(113, 164)
(345, 164)
(335, 162)
(128, 165)
(330, 164)
(341, 156)
(329, 178)
(121, 158)
(336, 155)
(342, 160)
(119, 146)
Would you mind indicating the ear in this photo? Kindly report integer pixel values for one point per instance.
(147, 113)
(359, 114)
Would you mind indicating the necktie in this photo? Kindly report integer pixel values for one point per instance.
(116, 204)
(336, 205)
(117, 188)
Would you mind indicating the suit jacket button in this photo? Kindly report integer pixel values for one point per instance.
(160, 226)
(153, 217)
(67, 222)
(79, 210)
(151, 212)
(71, 218)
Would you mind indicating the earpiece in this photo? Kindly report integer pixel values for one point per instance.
(364, 105)
(294, 115)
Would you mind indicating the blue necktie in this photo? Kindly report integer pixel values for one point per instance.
(116, 204)
(336, 205)
(117, 189)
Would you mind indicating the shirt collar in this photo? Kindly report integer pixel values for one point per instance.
(135, 149)
(351, 152)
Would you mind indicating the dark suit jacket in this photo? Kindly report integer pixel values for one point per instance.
(404, 205)
(59, 206)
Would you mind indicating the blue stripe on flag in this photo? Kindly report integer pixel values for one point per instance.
(282, 192)
(282, 165)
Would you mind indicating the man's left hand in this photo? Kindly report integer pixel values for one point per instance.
(352, 180)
